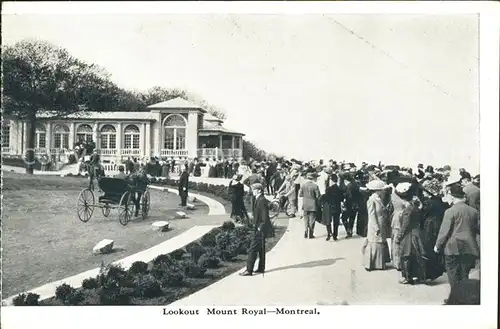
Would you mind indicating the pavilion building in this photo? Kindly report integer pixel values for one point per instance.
(175, 129)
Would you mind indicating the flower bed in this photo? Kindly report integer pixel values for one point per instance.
(167, 278)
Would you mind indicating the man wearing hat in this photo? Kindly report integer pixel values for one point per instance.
(457, 237)
(472, 195)
(262, 228)
(310, 203)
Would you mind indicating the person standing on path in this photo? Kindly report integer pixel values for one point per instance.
(262, 226)
(472, 192)
(409, 238)
(311, 195)
(375, 250)
(183, 186)
(332, 208)
(457, 237)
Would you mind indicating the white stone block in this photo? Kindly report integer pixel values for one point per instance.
(103, 247)
(190, 206)
(180, 215)
(160, 226)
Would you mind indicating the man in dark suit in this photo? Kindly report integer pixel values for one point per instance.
(457, 237)
(262, 227)
(311, 195)
(271, 170)
(352, 201)
(183, 186)
(332, 208)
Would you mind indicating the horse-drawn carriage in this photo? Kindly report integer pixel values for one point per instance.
(116, 193)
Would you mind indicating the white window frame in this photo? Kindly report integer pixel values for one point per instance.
(175, 128)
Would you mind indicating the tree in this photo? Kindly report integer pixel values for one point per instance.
(44, 82)
(250, 150)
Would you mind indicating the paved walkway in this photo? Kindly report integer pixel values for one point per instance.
(215, 207)
(48, 290)
(309, 272)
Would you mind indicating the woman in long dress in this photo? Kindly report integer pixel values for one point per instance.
(399, 205)
(238, 210)
(409, 238)
(433, 212)
(375, 251)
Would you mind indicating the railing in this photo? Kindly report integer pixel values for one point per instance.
(178, 153)
(40, 150)
(216, 153)
(134, 152)
(107, 152)
(5, 149)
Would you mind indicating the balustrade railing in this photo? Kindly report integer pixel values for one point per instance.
(5, 149)
(178, 153)
(219, 153)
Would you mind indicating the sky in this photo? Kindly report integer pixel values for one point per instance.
(398, 88)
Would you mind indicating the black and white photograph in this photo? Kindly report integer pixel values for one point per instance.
(249, 162)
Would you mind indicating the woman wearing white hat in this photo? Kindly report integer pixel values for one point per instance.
(375, 249)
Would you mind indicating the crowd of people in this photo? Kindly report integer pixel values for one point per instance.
(423, 222)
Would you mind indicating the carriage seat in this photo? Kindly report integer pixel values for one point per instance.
(113, 189)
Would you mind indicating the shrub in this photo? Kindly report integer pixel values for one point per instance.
(209, 259)
(30, 299)
(64, 291)
(147, 286)
(90, 283)
(208, 240)
(91, 297)
(163, 259)
(169, 275)
(195, 249)
(115, 296)
(192, 269)
(120, 276)
(228, 226)
(227, 245)
(138, 268)
(69, 295)
(177, 254)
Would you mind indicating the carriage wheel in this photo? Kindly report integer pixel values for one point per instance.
(85, 205)
(274, 209)
(125, 208)
(106, 209)
(145, 204)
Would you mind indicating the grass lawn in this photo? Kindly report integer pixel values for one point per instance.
(44, 241)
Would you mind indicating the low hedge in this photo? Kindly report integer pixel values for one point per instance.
(176, 270)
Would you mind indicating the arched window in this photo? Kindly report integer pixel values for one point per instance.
(84, 133)
(61, 137)
(132, 137)
(175, 132)
(40, 136)
(108, 137)
(5, 134)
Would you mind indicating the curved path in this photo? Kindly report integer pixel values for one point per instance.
(215, 209)
(309, 272)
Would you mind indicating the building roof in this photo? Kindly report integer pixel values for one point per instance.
(176, 103)
(209, 117)
(116, 115)
(210, 127)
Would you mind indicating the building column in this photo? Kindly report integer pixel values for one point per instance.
(71, 137)
(95, 136)
(48, 142)
(192, 134)
(232, 147)
(157, 135)
(119, 133)
(24, 140)
(147, 139)
(13, 127)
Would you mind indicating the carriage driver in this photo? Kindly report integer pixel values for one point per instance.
(138, 182)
